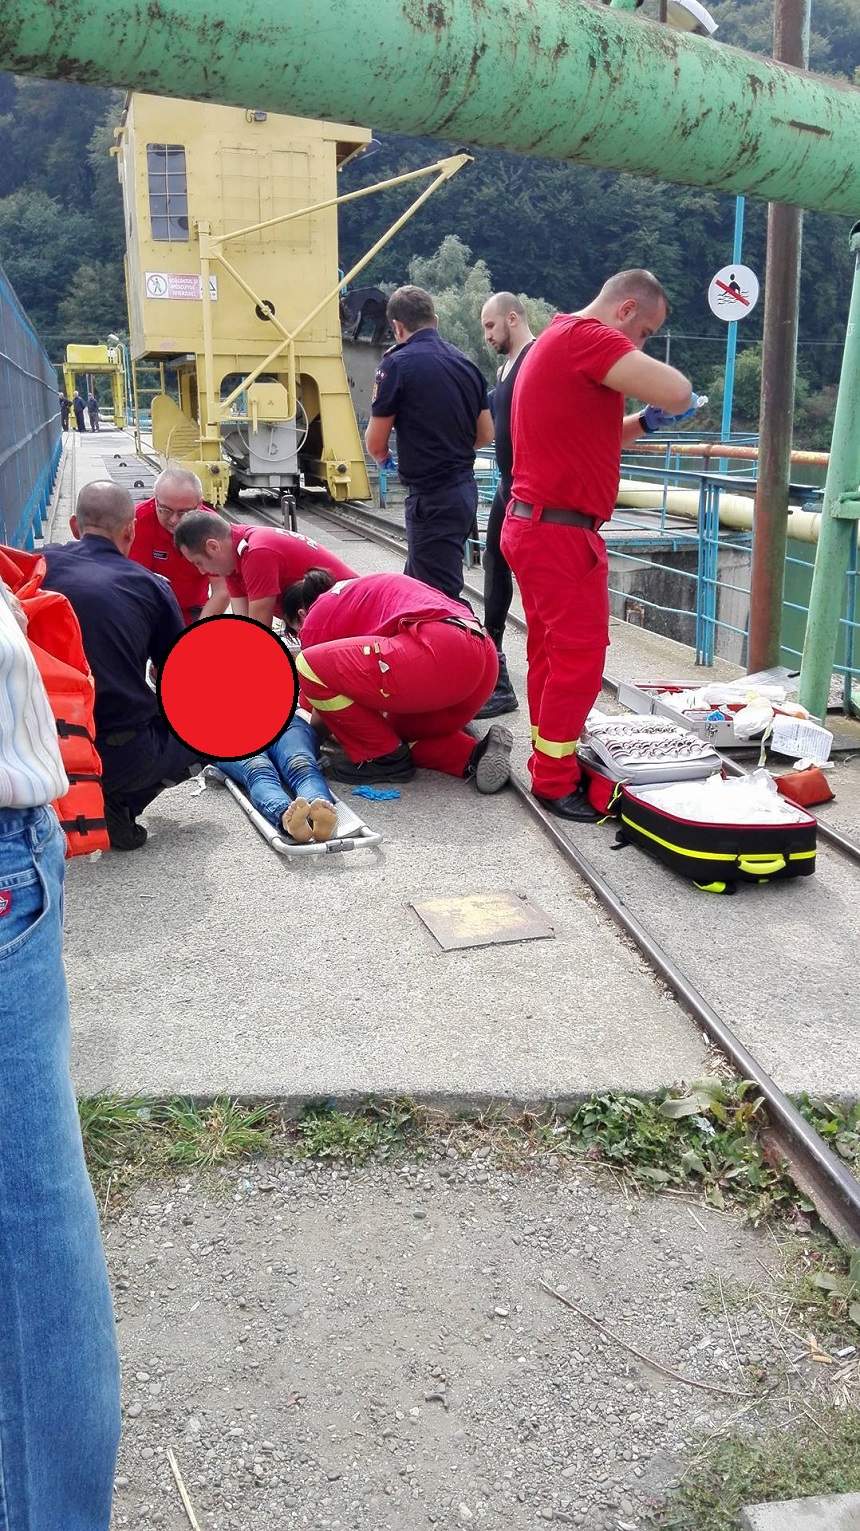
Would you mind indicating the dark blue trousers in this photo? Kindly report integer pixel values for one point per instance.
(438, 521)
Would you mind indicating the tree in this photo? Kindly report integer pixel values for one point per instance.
(813, 412)
(460, 290)
(94, 304)
(40, 247)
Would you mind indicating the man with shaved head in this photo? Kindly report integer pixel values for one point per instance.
(129, 618)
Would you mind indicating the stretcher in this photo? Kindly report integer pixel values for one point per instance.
(351, 832)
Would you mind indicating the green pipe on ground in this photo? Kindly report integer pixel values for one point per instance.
(563, 79)
(839, 515)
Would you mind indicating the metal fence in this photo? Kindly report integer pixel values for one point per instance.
(30, 442)
(691, 582)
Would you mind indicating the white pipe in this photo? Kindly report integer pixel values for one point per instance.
(736, 510)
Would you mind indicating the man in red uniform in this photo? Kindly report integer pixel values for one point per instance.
(395, 669)
(258, 562)
(568, 428)
(177, 492)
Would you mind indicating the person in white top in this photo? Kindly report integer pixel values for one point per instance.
(31, 771)
(59, 1373)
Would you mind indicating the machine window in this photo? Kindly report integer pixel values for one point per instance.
(168, 191)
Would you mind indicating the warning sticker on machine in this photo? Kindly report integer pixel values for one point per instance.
(177, 285)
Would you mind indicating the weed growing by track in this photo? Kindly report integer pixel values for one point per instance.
(817, 1456)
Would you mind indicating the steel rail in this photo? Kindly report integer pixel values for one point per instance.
(833, 1190)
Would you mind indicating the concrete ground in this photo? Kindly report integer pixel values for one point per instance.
(371, 1349)
(834, 1512)
(205, 963)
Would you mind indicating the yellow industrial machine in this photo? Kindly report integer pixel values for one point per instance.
(232, 278)
(92, 360)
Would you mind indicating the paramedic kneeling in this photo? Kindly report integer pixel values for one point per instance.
(258, 562)
(568, 427)
(395, 670)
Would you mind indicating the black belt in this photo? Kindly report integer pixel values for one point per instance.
(474, 628)
(550, 513)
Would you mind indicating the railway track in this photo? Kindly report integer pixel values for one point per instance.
(817, 1172)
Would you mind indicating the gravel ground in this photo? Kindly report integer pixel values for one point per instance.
(371, 1348)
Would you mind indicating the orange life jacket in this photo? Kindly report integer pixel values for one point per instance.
(56, 645)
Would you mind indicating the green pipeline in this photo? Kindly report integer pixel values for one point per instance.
(563, 79)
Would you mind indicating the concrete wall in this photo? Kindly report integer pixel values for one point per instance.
(660, 582)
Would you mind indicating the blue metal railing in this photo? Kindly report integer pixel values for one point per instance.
(29, 424)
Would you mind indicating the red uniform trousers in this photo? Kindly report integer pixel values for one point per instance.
(562, 575)
(421, 685)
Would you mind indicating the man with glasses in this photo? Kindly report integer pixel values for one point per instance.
(176, 493)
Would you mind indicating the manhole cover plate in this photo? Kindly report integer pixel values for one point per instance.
(482, 919)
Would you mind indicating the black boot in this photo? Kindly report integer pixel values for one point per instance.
(574, 805)
(396, 766)
(490, 761)
(124, 833)
(503, 698)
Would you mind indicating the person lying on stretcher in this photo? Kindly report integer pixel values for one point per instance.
(286, 785)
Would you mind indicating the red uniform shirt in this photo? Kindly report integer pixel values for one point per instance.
(376, 605)
(565, 424)
(153, 548)
(269, 561)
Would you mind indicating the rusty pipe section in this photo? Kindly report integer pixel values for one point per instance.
(563, 79)
(733, 450)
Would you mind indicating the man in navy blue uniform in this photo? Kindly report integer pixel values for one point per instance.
(129, 618)
(435, 399)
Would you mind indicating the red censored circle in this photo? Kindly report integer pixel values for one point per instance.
(228, 687)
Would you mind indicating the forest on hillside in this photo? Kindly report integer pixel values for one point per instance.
(544, 228)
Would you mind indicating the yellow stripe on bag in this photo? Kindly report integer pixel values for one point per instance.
(554, 749)
(680, 850)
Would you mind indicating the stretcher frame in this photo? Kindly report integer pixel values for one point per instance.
(353, 836)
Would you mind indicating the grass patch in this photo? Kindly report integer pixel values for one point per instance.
(820, 1292)
(809, 1458)
(704, 1140)
(383, 1130)
(129, 1140)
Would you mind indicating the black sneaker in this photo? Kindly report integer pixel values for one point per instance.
(574, 806)
(490, 762)
(503, 698)
(124, 833)
(396, 766)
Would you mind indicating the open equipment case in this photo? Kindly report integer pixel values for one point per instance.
(768, 840)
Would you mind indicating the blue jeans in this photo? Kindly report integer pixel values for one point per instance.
(59, 1372)
(289, 769)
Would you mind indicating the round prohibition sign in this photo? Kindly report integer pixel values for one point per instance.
(228, 688)
(733, 292)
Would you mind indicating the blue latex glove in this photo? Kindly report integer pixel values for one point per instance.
(655, 419)
(390, 465)
(377, 794)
